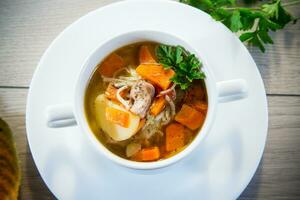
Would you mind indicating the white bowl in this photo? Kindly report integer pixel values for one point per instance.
(62, 115)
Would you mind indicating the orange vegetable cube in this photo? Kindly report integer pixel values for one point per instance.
(117, 116)
(175, 136)
(147, 154)
(111, 64)
(190, 117)
(200, 106)
(156, 74)
(111, 93)
(158, 105)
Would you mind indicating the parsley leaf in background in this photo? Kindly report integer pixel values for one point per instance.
(253, 24)
(235, 21)
(187, 66)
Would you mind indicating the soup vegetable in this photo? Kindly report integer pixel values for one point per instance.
(147, 101)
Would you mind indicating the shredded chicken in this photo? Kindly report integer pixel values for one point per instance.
(166, 117)
(153, 124)
(142, 94)
(150, 128)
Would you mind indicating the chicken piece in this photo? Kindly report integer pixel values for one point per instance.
(142, 93)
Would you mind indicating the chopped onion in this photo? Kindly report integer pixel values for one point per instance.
(133, 73)
(123, 101)
(132, 149)
(171, 103)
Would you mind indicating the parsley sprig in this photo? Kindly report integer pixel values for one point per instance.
(187, 66)
(253, 24)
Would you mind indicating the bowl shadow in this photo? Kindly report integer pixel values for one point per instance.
(253, 188)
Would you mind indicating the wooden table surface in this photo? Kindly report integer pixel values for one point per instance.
(27, 27)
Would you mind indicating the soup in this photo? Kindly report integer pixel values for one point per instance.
(147, 101)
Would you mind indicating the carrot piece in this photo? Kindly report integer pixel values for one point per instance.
(147, 154)
(111, 64)
(156, 74)
(190, 117)
(200, 106)
(117, 116)
(145, 55)
(157, 106)
(174, 136)
(111, 93)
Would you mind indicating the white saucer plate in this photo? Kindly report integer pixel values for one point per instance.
(220, 168)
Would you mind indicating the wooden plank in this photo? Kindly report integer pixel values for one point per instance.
(27, 28)
(280, 64)
(277, 177)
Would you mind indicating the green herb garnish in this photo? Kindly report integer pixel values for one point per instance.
(253, 23)
(187, 66)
